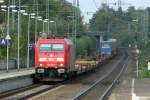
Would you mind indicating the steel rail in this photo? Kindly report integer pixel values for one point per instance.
(106, 93)
(40, 91)
(15, 91)
(26, 90)
(84, 93)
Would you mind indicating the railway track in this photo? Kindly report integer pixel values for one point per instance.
(15, 91)
(72, 88)
(101, 89)
(101, 85)
(27, 92)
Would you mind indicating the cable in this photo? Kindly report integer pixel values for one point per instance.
(95, 4)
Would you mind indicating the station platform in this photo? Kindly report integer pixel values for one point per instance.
(129, 87)
(15, 73)
(15, 79)
(132, 90)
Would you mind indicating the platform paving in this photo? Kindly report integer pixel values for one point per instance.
(132, 90)
(15, 73)
(122, 92)
(15, 79)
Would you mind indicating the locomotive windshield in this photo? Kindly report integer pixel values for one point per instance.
(51, 47)
(45, 47)
(57, 47)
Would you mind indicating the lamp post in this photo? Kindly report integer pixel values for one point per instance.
(71, 17)
(7, 40)
(18, 38)
(18, 34)
(28, 54)
(39, 18)
(68, 29)
(48, 18)
(8, 30)
(55, 25)
(32, 15)
(1, 1)
(43, 26)
(7, 37)
(28, 43)
(44, 21)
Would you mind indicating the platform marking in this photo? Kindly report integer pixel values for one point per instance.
(133, 86)
(134, 97)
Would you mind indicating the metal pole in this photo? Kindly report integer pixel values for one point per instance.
(147, 24)
(43, 25)
(78, 7)
(48, 27)
(55, 27)
(137, 63)
(13, 16)
(36, 21)
(7, 41)
(75, 22)
(68, 28)
(72, 26)
(18, 66)
(48, 16)
(28, 54)
(136, 46)
(7, 56)
(35, 34)
(129, 27)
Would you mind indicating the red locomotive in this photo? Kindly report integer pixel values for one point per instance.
(54, 59)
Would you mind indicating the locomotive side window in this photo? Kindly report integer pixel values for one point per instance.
(45, 47)
(58, 47)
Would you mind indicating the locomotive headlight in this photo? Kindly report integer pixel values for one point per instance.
(41, 65)
(61, 65)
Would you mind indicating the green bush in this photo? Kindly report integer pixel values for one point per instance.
(86, 46)
(143, 66)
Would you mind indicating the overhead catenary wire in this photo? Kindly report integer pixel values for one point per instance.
(95, 4)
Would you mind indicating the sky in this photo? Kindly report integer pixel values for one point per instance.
(89, 7)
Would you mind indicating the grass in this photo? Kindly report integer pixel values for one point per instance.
(144, 57)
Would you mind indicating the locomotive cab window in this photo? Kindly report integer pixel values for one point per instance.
(45, 47)
(58, 47)
(51, 47)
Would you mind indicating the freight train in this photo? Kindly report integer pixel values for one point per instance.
(55, 59)
(108, 47)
